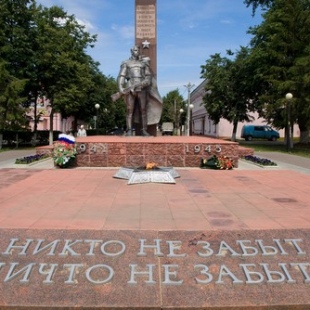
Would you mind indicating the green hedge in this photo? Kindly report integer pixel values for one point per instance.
(26, 137)
(95, 132)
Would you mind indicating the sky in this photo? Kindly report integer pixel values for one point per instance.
(188, 33)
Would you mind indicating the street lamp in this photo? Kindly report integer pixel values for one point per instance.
(289, 140)
(188, 118)
(189, 86)
(179, 120)
(97, 106)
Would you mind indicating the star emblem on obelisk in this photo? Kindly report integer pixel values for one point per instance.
(146, 44)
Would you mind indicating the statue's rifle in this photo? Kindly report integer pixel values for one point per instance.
(126, 91)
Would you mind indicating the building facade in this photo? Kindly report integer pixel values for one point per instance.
(201, 124)
(43, 110)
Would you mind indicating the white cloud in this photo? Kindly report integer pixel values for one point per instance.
(226, 21)
(89, 27)
(126, 32)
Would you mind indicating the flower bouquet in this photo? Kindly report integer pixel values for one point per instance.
(217, 162)
(64, 151)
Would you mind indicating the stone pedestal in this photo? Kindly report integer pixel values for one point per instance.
(167, 151)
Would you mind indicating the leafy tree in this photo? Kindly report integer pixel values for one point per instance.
(73, 100)
(118, 107)
(281, 48)
(33, 89)
(110, 114)
(172, 103)
(265, 4)
(69, 76)
(43, 52)
(16, 45)
(231, 93)
(15, 54)
(11, 110)
(62, 61)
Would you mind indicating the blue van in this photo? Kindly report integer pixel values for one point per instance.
(250, 132)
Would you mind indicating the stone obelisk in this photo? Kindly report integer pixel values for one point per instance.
(146, 37)
(146, 30)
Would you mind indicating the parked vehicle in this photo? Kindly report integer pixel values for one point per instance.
(250, 132)
(167, 129)
(116, 132)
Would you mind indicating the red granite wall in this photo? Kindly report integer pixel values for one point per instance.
(116, 154)
(111, 151)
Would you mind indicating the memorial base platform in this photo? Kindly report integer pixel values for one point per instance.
(166, 151)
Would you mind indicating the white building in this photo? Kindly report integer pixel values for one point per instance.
(201, 124)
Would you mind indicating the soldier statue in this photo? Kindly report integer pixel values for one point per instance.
(137, 85)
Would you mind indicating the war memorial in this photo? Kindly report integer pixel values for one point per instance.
(232, 268)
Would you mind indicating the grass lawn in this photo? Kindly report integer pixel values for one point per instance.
(5, 148)
(279, 146)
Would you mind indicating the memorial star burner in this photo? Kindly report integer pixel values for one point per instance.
(150, 173)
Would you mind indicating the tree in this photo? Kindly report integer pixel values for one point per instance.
(16, 24)
(15, 57)
(73, 99)
(281, 47)
(11, 109)
(43, 52)
(172, 103)
(265, 4)
(110, 114)
(62, 63)
(118, 107)
(231, 92)
(113, 114)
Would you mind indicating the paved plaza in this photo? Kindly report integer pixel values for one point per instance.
(246, 198)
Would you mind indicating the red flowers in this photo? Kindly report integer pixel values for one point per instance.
(217, 162)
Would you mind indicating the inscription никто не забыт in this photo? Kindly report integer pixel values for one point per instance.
(106, 251)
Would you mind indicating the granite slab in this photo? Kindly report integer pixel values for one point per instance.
(84, 269)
